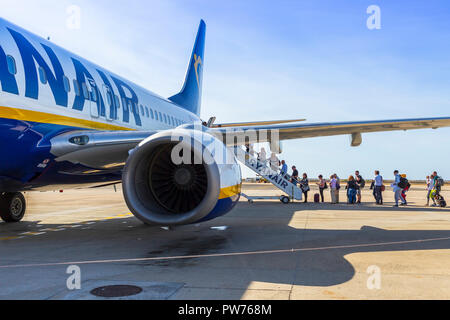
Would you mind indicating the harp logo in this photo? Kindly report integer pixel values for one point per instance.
(198, 61)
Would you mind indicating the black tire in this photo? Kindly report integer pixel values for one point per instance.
(12, 207)
(285, 200)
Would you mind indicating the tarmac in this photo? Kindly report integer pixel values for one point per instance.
(261, 251)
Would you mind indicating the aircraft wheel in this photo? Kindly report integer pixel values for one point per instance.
(12, 206)
(285, 200)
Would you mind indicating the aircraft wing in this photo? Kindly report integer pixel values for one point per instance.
(110, 149)
(97, 149)
(299, 131)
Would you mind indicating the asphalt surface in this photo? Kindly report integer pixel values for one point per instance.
(264, 250)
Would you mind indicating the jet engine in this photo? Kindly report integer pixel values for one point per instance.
(179, 177)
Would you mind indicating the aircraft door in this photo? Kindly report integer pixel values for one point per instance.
(93, 97)
(110, 107)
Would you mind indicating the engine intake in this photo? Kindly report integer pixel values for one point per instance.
(159, 191)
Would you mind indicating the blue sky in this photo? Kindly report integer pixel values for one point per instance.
(280, 60)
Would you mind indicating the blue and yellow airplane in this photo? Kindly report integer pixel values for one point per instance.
(68, 123)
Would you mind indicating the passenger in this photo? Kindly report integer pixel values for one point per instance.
(294, 177)
(284, 168)
(352, 188)
(322, 186)
(338, 187)
(274, 162)
(430, 185)
(438, 182)
(361, 184)
(333, 189)
(405, 189)
(304, 185)
(378, 188)
(262, 156)
(397, 189)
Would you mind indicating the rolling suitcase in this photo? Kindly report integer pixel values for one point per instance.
(317, 198)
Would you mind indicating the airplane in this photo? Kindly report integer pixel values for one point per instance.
(67, 123)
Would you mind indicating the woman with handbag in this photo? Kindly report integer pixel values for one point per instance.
(322, 187)
(304, 185)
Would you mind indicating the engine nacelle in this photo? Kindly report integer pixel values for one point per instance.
(179, 177)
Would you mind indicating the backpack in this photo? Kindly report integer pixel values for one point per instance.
(362, 182)
(439, 182)
(403, 183)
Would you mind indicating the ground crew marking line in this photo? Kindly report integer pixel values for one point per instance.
(367, 245)
(29, 233)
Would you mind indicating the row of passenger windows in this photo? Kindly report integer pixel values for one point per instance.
(112, 100)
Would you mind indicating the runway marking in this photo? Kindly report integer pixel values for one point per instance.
(222, 254)
(52, 230)
(30, 233)
(10, 238)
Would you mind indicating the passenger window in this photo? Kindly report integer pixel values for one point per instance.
(42, 75)
(151, 113)
(142, 111)
(146, 112)
(94, 94)
(85, 90)
(165, 118)
(66, 84)
(108, 97)
(160, 117)
(156, 115)
(116, 99)
(76, 87)
(11, 65)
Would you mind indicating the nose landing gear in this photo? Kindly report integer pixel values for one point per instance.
(12, 206)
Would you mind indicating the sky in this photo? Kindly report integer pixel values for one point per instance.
(268, 60)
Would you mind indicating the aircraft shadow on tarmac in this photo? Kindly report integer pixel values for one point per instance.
(319, 262)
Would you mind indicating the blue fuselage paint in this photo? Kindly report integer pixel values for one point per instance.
(74, 88)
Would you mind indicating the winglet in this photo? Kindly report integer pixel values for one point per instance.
(190, 96)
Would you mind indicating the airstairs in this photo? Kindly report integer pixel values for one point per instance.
(262, 168)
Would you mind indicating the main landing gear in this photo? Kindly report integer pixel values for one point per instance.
(12, 206)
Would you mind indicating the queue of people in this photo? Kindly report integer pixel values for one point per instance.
(355, 184)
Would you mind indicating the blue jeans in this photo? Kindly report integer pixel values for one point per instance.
(398, 196)
(351, 194)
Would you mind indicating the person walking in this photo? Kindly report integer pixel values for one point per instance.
(378, 188)
(274, 162)
(304, 185)
(322, 186)
(294, 177)
(361, 184)
(284, 169)
(262, 157)
(430, 187)
(397, 189)
(351, 188)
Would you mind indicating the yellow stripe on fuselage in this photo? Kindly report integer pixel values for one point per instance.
(230, 191)
(41, 117)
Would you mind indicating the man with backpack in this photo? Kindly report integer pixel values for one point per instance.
(398, 187)
(437, 184)
(361, 184)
